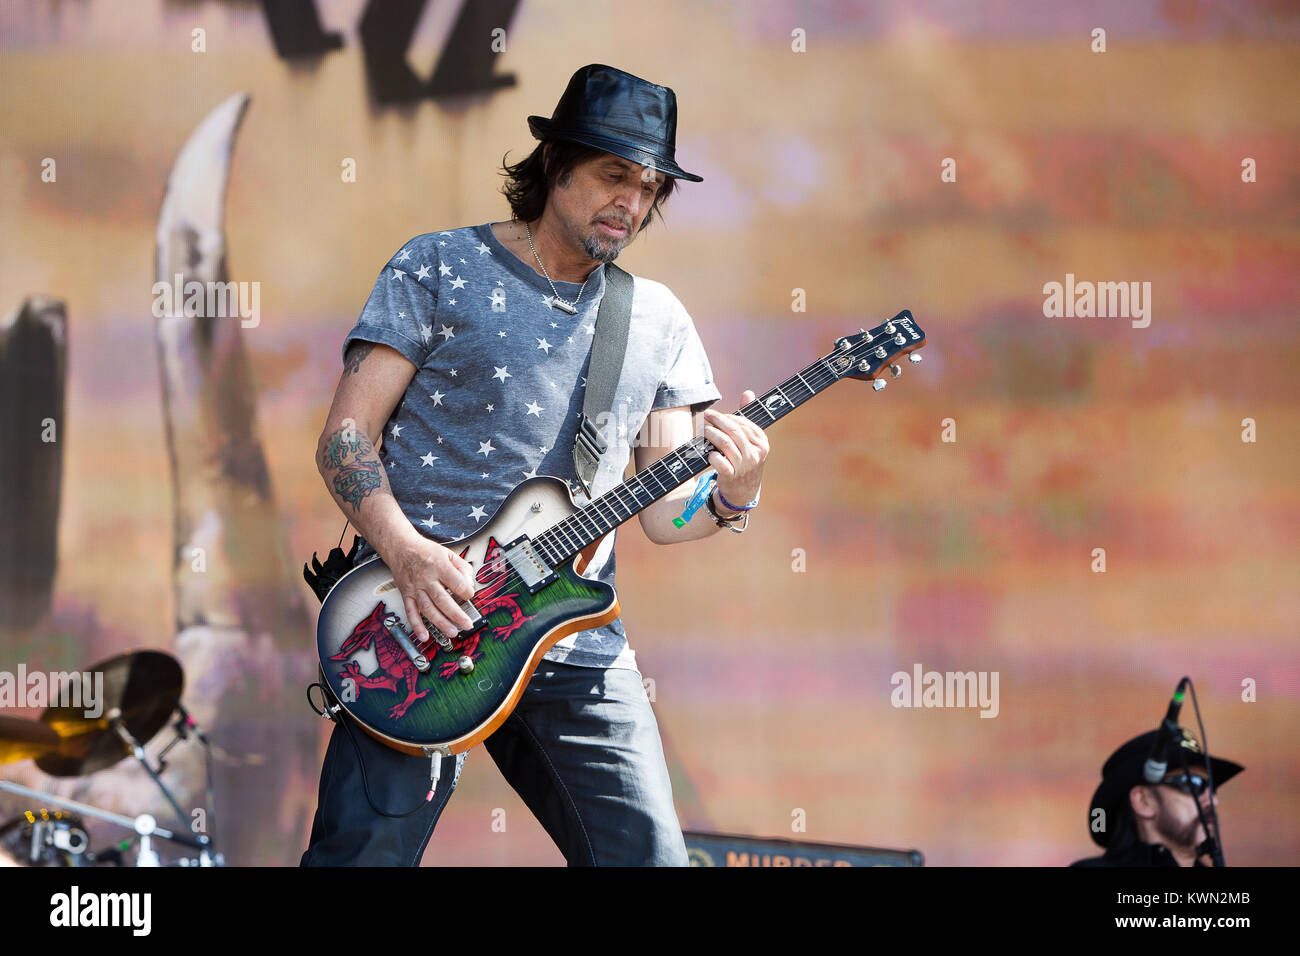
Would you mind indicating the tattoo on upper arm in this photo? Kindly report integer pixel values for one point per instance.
(356, 354)
(356, 466)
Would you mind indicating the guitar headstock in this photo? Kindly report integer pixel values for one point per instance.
(865, 355)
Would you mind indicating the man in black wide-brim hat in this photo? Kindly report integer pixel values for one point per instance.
(471, 359)
(1141, 824)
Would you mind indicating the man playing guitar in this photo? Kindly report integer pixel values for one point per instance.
(470, 361)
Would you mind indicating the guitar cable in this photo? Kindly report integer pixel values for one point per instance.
(327, 711)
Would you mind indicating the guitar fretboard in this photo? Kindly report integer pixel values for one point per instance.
(604, 513)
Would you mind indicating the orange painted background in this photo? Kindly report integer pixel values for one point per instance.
(822, 172)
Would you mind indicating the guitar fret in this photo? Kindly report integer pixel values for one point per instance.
(565, 531)
(584, 519)
(602, 503)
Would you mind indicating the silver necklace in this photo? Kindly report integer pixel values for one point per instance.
(556, 302)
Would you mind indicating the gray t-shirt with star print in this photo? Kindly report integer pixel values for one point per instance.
(499, 384)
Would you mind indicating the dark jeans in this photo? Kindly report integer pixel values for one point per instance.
(581, 749)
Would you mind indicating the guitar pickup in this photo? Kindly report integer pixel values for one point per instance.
(524, 560)
(476, 620)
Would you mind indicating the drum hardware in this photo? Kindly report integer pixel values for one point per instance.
(142, 693)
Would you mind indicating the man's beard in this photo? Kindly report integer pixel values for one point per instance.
(601, 249)
(1185, 836)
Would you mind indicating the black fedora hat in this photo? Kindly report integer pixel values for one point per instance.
(619, 113)
(1123, 771)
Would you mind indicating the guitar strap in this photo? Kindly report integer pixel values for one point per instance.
(613, 318)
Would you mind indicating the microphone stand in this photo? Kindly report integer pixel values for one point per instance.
(1210, 845)
(203, 841)
(184, 725)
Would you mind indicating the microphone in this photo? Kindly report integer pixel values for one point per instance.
(1154, 770)
(185, 722)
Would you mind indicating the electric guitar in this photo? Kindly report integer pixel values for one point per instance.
(449, 693)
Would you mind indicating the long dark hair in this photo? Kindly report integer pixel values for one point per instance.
(529, 181)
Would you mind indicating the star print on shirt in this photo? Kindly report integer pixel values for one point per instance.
(458, 282)
(437, 400)
(482, 248)
(423, 273)
(491, 407)
(429, 505)
(398, 274)
(428, 458)
(544, 345)
(501, 334)
(591, 329)
(396, 430)
(534, 409)
(555, 325)
(446, 332)
(404, 256)
(483, 474)
(477, 513)
(501, 372)
(443, 268)
(426, 332)
(429, 522)
(485, 447)
(532, 473)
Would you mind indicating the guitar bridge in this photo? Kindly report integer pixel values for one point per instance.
(393, 625)
(524, 560)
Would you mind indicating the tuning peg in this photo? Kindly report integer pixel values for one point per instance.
(895, 370)
(890, 328)
(878, 384)
(900, 339)
(914, 358)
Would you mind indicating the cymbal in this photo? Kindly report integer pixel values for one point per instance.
(20, 739)
(143, 688)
